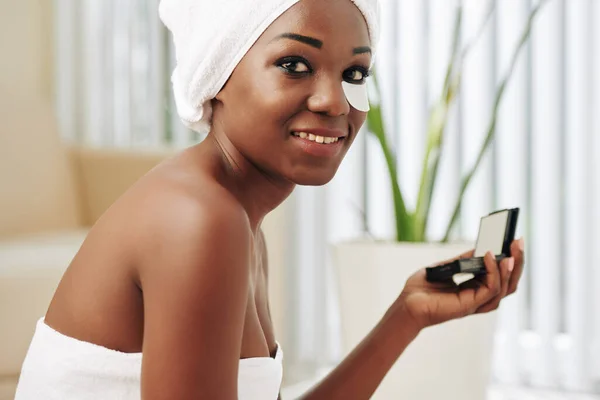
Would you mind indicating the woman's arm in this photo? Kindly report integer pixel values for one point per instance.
(194, 278)
(361, 372)
(421, 304)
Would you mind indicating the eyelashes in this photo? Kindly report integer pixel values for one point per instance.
(363, 74)
(294, 65)
(298, 67)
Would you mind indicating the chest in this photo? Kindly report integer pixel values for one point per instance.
(258, 338)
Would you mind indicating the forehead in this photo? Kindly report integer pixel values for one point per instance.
(334, 22)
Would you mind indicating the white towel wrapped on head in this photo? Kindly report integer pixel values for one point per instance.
(211, 38)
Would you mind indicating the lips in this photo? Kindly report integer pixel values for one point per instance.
(325, 132)
(318, 145)
(321, 135)
(317, 138)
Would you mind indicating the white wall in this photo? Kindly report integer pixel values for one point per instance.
(26, 47)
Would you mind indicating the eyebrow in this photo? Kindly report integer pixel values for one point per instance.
(303, 39)
(362, 50)
(316, 43)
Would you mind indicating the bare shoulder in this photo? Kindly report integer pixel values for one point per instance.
(192, 244)
(170, 214)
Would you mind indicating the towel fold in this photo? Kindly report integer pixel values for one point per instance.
(212, 37)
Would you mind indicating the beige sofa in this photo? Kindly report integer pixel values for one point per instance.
(49, 195)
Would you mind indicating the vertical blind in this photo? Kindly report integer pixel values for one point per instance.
(113, 66)
(112, 72)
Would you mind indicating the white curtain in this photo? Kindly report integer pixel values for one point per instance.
(113, 64)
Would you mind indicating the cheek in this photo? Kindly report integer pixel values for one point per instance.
(357, 119)
(280, 98)
(268, 100)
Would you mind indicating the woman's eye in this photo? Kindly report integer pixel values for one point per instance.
(295, 66)
(356, 75)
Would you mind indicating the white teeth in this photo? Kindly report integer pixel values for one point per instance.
(316, 138)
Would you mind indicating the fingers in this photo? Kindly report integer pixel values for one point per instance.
(468, 254)
(492, 282)
(517, 250)
(500, 281)
(506, 269)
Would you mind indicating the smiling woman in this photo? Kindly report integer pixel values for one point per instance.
(294, 83)
(167, 297)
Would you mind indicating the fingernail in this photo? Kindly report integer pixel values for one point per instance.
(511, 264)
(521, 244)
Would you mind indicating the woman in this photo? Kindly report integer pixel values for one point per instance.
(176, 269)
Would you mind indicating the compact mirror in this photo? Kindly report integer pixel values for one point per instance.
(496, 233)
(492, 231)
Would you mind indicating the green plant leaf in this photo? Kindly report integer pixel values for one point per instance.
(439, 119)
(492, 124)
(435, 130)
(404, 221)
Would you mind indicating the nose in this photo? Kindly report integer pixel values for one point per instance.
(328, 98)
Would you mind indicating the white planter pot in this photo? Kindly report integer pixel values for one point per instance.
(447, 361)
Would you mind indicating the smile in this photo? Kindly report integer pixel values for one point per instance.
(316, 138)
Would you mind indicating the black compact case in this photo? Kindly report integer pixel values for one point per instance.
(496, 234)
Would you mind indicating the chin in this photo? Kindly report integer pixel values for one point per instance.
(313, 178)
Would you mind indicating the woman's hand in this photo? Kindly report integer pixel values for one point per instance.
(431, 303)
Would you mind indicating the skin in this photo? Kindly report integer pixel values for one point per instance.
(177, 267)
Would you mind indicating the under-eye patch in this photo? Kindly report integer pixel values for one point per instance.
(357, 95)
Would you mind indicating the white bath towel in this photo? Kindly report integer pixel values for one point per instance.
(211, 37)
(58, 367)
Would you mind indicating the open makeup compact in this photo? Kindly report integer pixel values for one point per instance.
(496, 233)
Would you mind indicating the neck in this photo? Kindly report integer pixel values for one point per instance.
(257, 191)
